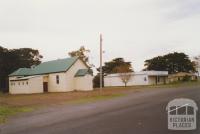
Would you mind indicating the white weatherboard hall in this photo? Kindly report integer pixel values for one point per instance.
(60, 75)
(138, 78)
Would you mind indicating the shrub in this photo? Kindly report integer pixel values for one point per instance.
(186, 78)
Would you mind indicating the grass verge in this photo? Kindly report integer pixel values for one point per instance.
(178, 84)
(6, 111)
(95, 98)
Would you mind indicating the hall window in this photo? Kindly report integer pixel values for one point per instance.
(57, 79)
(158, 79)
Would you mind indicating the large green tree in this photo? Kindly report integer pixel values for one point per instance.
(172, 62)
(110, 67)
(12, 59)
(114, 66)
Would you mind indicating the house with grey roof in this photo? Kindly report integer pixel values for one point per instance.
(60, 75)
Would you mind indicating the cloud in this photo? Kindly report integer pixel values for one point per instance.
(180, 9)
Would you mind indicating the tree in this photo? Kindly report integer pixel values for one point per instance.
(157, 63)
(3, 67)
(172, 62)
(11, 60)
(124, 72)
(81, 53)
(110, 67)
(96, 81)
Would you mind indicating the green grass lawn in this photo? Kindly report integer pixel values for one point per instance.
(6, 111)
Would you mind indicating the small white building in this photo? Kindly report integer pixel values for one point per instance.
(61, 75)
(198, 71)
(138, 78)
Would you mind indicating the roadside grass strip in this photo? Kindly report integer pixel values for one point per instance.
(7, 111)
(94, 98)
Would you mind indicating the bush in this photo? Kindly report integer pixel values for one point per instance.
(186, 78)
(96, 81)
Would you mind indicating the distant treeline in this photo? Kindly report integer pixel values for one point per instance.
(172, 62)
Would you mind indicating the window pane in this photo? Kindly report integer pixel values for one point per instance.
(57, 79)
(190, 110)
(173, 110)
(181, 110)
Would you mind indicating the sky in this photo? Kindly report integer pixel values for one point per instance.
(133, 29)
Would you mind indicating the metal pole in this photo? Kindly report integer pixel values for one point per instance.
(101, 71)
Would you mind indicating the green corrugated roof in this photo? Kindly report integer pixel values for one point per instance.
(55, 66)
(21, 72)
(82, 72)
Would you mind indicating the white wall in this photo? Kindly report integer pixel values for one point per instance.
(67, 79)
(134, 80)
(84, 83)
(67, 82)
(52, 84)
(152, 80)
(71, 85)
(112, 81)
(138, 80)
(15, 88)
(35, 85)
(198, 69)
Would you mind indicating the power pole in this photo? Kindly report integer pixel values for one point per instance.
(101, 71)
